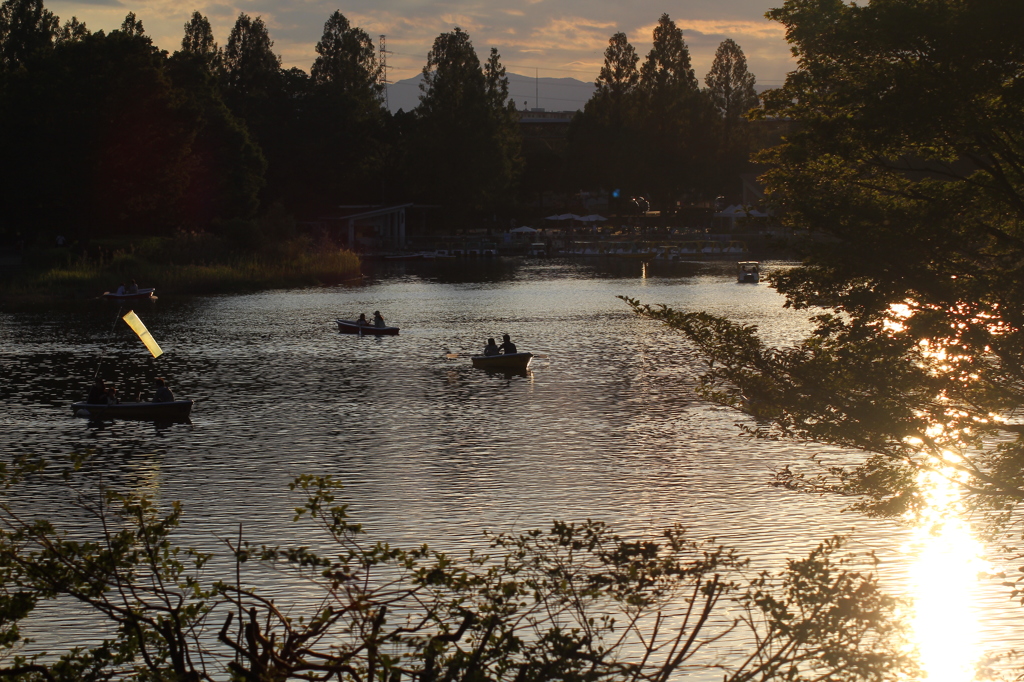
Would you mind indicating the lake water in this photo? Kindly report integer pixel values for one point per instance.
(430, 449)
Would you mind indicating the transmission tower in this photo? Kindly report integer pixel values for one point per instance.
(383, 60)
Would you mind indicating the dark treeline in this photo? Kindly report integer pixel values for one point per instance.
(105, 133)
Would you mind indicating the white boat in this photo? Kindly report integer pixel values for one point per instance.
(748, 272)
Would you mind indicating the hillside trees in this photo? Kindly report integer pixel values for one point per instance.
(907, 172)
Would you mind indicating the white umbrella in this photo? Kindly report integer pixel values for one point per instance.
(523, 229)
(593, 218)
(553, 217)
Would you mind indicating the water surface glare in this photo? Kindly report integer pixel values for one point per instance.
(430, 449)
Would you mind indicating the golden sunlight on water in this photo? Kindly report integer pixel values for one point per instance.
(944, 574)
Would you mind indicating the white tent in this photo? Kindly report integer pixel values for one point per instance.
(736, 211)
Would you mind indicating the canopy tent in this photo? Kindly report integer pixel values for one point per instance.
(738, 211)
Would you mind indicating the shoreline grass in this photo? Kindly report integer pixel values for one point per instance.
(292, 264)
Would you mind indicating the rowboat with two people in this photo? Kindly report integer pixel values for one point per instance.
(362, 326)
(505, 357)
(140, 295)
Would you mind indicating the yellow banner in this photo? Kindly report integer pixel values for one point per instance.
(136, 324)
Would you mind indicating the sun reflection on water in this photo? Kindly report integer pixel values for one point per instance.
(944, 574)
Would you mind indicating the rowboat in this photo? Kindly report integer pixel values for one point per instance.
(176, 410)
(510, 361)
(139, 295)
(352, 327)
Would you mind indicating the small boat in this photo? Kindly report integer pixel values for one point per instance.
(352, 327)
(748, 271)
(137, 296)
(176, 410)
(509, 361)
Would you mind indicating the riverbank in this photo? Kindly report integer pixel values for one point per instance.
(183, 265)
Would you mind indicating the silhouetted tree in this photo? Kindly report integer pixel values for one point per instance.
(252, 69)
(72, 30)
(674, 121)
(346, 61)
(604, 141)
(102, 139)
(132, 26)
(729, 85)
(467, 143)
(614, 98)
(26, 29)
(199, 41)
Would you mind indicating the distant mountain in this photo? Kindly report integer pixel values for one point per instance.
(554, 94)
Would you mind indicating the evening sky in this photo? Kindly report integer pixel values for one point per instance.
(547, 38)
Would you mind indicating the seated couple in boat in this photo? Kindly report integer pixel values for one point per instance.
(133, 288)
(506, 348)
(378, 319)
(101, 394)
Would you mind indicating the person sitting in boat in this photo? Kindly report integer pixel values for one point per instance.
(120, 289)
(133, 288)
(378, 319)
(491, 348)
(362, 319)
(98, 393)
(163, 394)
(507, 347)
(112, 396)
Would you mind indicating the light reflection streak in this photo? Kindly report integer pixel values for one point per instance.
(943, 575)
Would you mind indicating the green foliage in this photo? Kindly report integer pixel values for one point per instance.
(905, 170)
(576, 602)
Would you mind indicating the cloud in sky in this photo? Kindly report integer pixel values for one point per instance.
(557, 39)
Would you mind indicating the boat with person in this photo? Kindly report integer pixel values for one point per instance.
(174, 410)
(353, 327)
(506, 361)
(139, 295)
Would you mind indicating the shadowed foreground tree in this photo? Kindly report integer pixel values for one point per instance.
(575, 603)
(908, 174)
